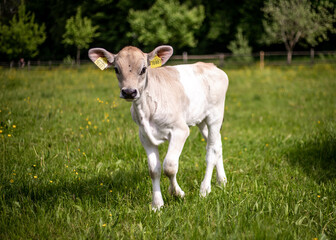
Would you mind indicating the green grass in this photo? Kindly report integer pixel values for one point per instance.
(72, 166)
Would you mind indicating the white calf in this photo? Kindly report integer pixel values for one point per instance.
(165, 101)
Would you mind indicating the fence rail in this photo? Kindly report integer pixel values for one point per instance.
(222, 59)
(264, 58)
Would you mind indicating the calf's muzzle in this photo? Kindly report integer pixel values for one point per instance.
(128, 93)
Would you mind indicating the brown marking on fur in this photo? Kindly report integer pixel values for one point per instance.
(165, 88)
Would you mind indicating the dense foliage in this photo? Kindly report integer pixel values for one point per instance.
(306, 22)
(166, 22)
(22, 36)
(240, 47)
(79, 32)
(201, 26)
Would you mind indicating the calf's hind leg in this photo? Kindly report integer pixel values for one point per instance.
(204, 130)
(213, 158)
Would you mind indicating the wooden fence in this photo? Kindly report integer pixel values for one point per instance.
(262, 58)
(221, 59)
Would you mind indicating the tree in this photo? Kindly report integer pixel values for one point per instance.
(166, 22)
(289, 21)
(240, 47)
(22, 36)
(79, 32)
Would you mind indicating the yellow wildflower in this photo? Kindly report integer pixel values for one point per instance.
(9, 135)
(11, 181)
(35, 177)
(0, 131)
(104, 225)
(14, 126)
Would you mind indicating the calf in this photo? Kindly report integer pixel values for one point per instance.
(165, 101)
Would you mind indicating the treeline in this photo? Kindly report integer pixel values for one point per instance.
(198, 27)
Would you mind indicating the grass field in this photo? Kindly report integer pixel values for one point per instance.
(72, 166)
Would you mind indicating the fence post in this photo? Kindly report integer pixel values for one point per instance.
(49, 64)
(262, 63)
(221, 60)
(312, 55)
(28, 65)
(185, 57)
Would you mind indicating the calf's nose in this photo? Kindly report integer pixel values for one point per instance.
(129, 93)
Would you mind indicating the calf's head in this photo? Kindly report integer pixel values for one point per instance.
(131, 67)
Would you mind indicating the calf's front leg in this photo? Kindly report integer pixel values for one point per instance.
(170, 164)
(154, 167)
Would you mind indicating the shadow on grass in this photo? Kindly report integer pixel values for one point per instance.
(316, 156)
(121, 186)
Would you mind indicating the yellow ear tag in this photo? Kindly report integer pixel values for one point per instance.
(101, 63)
(156, 62)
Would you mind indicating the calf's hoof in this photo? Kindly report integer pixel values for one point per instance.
(205, 189)
(157, 206)
(222, 181)
(177, 192)
(157, 202)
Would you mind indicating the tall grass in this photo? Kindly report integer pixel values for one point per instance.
(72, 166)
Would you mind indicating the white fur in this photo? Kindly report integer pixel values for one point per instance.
(205, 108)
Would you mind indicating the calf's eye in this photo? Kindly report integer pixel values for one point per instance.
(143, 70)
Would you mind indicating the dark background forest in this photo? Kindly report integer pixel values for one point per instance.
(220, 24)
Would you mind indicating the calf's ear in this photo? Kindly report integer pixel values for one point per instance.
(164, 52)
(95, 53)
